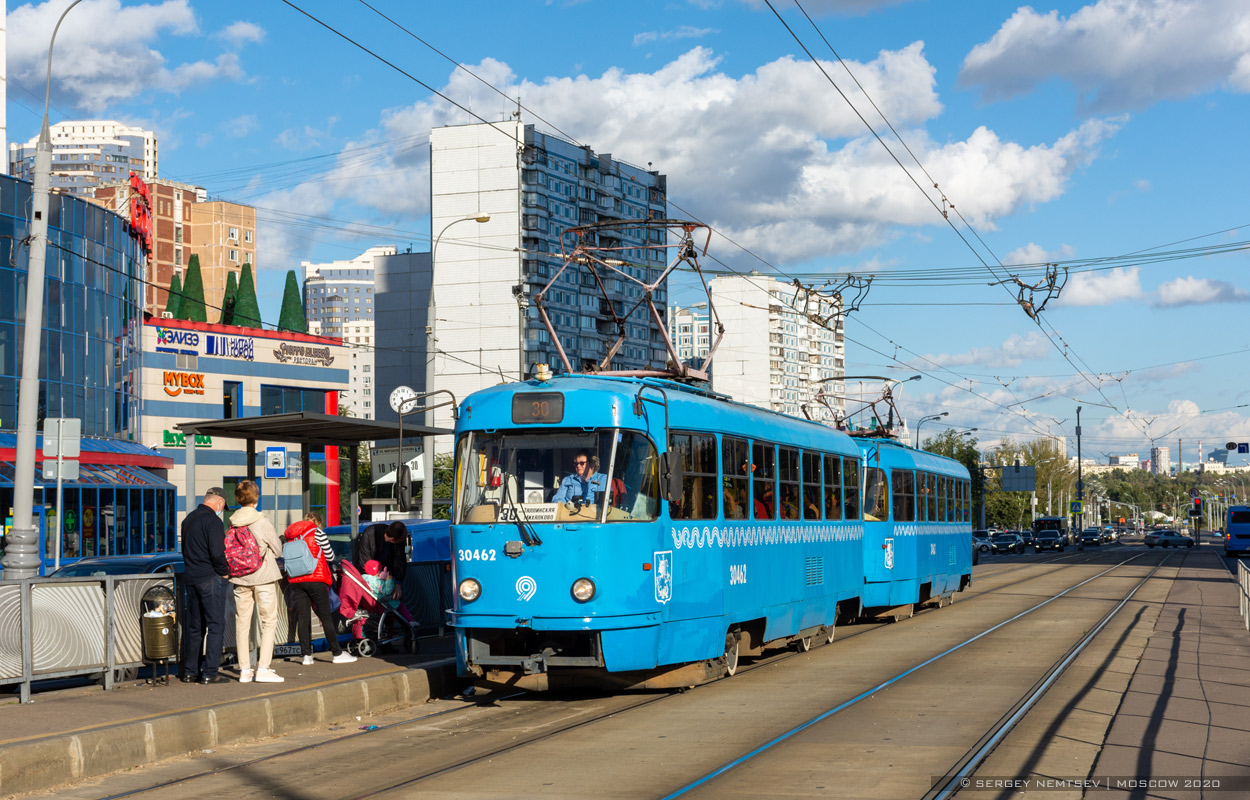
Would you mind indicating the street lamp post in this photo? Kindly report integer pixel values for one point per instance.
(431, 340)
(21, 558)
(1080, 483)
(923, 420)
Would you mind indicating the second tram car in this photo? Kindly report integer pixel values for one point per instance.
(644, 533)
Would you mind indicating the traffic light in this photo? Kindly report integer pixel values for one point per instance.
(1196, 511)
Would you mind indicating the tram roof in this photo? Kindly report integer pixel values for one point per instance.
(306, 427)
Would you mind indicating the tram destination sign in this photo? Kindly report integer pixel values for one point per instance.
(537, 408)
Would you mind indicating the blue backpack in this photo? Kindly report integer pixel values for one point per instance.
(297, 559)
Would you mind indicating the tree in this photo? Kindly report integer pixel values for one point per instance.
(292, 316)
(175, 297)
(192, 306)
(963, 449)
(227, 300)
(246, 309)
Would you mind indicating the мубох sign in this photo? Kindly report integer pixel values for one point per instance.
(302, 354)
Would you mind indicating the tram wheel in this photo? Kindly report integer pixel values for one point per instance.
(905, 612)
(803, 645)
(731, 654)
(829, 633)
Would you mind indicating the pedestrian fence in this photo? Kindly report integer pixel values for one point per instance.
(1243, 592)
(54, 628)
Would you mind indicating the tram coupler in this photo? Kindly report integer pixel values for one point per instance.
(537, 664)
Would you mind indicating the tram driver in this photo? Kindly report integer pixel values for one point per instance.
(580, 487)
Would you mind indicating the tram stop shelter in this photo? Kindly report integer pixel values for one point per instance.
(308, 429)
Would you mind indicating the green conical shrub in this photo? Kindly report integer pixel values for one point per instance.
(175, 296)
(246, 308)
(192, 306)
(292, 317)
(228, 299)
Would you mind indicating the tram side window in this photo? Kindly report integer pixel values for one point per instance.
(833, 487)
(735, 465)
(764, 463)
(876, 495)
(850, 488)
(697, 452)
(811, 485)
(904, 482)
(967, 500)
(950, 499)
(930, 496)
(941, 499)
(959, 500)
(788, 469)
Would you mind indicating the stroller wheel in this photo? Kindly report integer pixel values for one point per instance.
(351, 647)
(366, 648)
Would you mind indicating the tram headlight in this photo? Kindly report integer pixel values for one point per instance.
(470, 590)
(583, 589)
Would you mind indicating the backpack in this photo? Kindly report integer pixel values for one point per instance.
(242, 552)
(297, 559)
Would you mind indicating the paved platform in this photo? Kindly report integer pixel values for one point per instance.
(70, 734)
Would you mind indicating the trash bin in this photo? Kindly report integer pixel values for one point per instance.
(159, 628)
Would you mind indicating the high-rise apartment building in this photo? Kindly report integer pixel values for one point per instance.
(89, 153)
(502, 196)
(341, 292)
(773, 355)
(185, 223)
(1161, 460)
(691, 333)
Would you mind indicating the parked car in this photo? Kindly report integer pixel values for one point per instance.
(121, 565)
(1091, 536)
(1168, 539)
(1008, 542)
(1048, 540)
(981, 541)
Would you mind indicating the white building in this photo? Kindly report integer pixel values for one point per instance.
(529, 187)
(1161, 460)
(772, 355)
(691, 332)
(1126, 461)
(86, 153)
(340, 292)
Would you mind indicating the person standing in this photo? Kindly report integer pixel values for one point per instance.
(388, 545)
(312, 591)
(257, 589)
(204, 574)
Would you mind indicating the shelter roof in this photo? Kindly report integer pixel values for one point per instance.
(306, 427)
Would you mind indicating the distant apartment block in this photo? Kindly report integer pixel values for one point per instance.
(338, 293)
(690, 330)
(185, 223)
(1161, 460)
(772, 355)
(89, 153)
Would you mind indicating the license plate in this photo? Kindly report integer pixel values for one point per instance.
(286, 650)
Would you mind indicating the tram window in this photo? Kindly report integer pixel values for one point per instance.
(833, 487)
(950, 499)
(697, 452)
(941, 499)
(967, 501)
(811, 485)
(850, 488)
(788, 468)
(904, 483)
(735, 466)
(930, 496)
(764, 471)
(876, 495)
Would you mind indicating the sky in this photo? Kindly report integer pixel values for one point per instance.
(1105, 137)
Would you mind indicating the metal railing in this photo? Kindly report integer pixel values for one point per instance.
(1243, 592)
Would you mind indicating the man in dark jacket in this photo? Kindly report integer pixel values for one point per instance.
(387, 545)
(205, 571)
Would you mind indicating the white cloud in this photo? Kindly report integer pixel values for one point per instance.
(1101, 288)
(241, 32)
(684, 32)
(1011, 353)
(1033, 253)
(104, 52)
(774, 158)
(1118, 54)
(1189, 291)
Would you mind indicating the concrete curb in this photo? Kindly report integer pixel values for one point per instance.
(55, 760)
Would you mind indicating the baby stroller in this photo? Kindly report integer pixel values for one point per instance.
(374, 624)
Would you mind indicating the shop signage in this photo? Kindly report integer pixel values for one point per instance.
(141, 212)
(179, 439)
(174, 340)
(303, 354)
(242, 347)
(180, 383)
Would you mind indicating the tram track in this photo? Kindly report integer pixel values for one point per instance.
(615, 707)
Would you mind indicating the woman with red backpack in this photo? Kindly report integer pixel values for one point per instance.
(312, 591)
(253, 563)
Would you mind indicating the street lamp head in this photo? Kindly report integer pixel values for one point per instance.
(482, 218)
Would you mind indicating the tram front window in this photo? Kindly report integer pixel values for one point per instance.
(556, 476)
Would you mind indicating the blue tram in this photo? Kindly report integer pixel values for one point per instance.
(645, 533)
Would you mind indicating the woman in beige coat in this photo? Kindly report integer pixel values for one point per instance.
(259, 589)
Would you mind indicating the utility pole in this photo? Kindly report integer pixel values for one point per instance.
(1080, 484)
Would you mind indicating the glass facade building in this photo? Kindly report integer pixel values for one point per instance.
(88, 365)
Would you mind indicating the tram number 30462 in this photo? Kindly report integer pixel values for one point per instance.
(737, 574)
(475, 555)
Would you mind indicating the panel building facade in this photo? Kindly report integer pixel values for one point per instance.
(89, 153)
